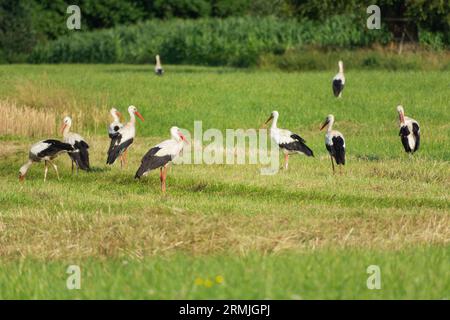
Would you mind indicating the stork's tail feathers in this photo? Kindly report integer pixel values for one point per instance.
(81, 155)
(306, 150)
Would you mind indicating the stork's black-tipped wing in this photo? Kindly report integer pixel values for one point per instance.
(54, 147)
(151, 161)
(117, 147)
(338, 150)
(298, 145)
(338, 87)
(80, 155)
(416, 133)
(404, 133)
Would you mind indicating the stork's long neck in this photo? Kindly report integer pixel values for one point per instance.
(66, 129)
(274, 121)
(132, 119)
(330, 125)
(401, 118)
(158, 62)
(25, 167)
(115, 117)
(341, 68)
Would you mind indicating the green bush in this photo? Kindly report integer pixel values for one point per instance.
(231, 41)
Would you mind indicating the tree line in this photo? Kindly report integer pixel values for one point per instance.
(26, 23)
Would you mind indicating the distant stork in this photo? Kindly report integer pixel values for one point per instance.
(123, 138)
(409, 131)
(334, 142)
(160, 155)
(158, 67)
(289, 142)
(116, 124)
(46, 151)
(339, 81)
(80, 153)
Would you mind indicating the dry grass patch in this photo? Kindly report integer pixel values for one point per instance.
(37, 234)
(25, 121)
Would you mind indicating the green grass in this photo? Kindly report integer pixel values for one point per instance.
(302, 233)
(420, 273)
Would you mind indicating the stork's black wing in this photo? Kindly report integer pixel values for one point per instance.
(150, 161)
(338, 86)
(55, 147)
(404, 133)
(298, 145)
(81, 155)
(338, 150)
(416, 133)
(116, 148)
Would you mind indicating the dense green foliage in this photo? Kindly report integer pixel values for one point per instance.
(231, 41)
(25, 23)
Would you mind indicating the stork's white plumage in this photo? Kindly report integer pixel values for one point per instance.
(80, 153)
(158, 67)
(288, 141)
(409, 131)
(334, 142)
(124, 137)
(160, 155)
(46, 151)
(116, 125)
(339, 81)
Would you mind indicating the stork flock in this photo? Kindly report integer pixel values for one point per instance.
(159, 156)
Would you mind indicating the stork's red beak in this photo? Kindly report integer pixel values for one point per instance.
(63, 126)
(118, 114)
(21, 178)
(183, 137)
(139, 115)
(402, 117)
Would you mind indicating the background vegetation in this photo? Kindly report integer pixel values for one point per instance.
(140, 29)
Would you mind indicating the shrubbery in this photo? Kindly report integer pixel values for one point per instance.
(231, 41)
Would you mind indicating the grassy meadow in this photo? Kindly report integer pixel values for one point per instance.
(226, 231)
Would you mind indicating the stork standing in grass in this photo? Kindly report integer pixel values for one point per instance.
(80, 153)
(158, 67)
(289, 142)
(161, 155)
(123, 138)
(334, 142)
(46, 151)
(339, 81)
(409, 131)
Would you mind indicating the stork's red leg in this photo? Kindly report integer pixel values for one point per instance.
(163, 181)
(125, 155)
(286, 161)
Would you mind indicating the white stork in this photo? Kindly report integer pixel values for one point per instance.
(46, 151)
(409, 131)
(124, 137)
(158, 67)
(289, 142)
(80, 153)
(334, 142)
(160, 155)
(116, 125)
(339, 81)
